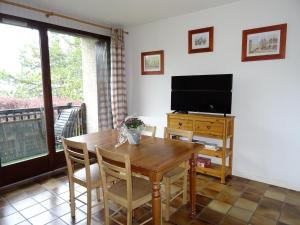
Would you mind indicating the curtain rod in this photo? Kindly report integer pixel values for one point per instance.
(49, 13)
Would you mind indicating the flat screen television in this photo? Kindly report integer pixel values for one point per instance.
(202, 93)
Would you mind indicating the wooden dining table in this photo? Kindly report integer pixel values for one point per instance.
(153, 157)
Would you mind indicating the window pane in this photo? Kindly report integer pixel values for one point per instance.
(73, 80)
(22, 123)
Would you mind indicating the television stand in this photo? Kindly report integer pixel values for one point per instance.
(209, 126)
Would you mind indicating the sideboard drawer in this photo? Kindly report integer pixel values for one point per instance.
(183, 124)
(209, 127)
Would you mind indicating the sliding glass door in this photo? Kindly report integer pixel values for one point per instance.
(74, 86)
(48, 90)
(23, 137)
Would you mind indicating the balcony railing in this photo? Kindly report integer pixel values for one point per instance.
(23, 132)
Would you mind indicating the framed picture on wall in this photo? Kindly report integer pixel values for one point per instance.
(264, 43)
(152, 63)
(201, 40)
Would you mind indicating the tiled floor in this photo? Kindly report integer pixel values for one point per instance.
(239, 202)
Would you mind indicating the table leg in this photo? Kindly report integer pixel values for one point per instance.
(156, 203)
(193, 185)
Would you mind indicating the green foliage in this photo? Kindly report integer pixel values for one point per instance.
(66, 70)
(133, 123)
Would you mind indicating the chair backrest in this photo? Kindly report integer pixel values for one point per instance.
(149, 131)
(76, 152)
(177, 133)
(116, 165)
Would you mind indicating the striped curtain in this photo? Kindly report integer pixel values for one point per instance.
(105, 120)
(118, 78)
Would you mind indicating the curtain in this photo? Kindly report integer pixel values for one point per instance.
(105, 120)
(118, 79)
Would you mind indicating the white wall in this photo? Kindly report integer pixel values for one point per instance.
(265, 93)
(15, 11)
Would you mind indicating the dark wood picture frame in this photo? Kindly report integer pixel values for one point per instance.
(281, 55)
(210, 48)
(160, 71)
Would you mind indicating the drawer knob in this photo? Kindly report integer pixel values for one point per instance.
(180, 124)
(208, 127)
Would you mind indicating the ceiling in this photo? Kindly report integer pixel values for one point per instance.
(124, 12)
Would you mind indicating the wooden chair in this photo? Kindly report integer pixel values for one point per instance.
(130, 192)
(149, 131)
(176, 174)
(88, 177)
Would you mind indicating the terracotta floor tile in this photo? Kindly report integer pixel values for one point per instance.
(208, 193)
(43, 196)
(210, 216)
(256, 190)
(24, 223)
(240, 179)
(56, 222)
(61, 210)
(15, 196)
(12, 219)
(294, 194)
(202, 200)
(232, 221)
(270, 213)
(23, 204)
(219, 206)
(241, 214)
(199, 222)
(34, 189)
(6, 211)
(60, 189)
(278, 189)
(202, 182)
(293, 197)
(280, 223)
(290, 218)
(294, 209)
(181, 216)
(240, 187)
(95, 209)
(275, 195)
(257, 185)
(246, 204)
(227, 197)
(251, 196)
(216, 186)
(213, 204)
(261, 220)
(271, 203)
(52, 202)
(79, 216)
(32, 211)
(43, 218)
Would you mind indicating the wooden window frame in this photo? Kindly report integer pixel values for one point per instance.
(54, 160)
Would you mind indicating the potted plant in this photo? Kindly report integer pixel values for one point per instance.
(134, 127)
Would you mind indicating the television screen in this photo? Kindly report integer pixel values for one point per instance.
(203, 93)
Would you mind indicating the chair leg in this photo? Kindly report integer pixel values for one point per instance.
(72, 198)
(168, 198)
(106, 210)
(184, 195)
(129, 216)
(98, 194)
(89, 206)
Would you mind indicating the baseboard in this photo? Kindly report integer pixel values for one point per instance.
(278, 183)
(7, 187)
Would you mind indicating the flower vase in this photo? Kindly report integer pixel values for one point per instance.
(134, 136)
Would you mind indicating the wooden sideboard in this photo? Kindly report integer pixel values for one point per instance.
(209, 126)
